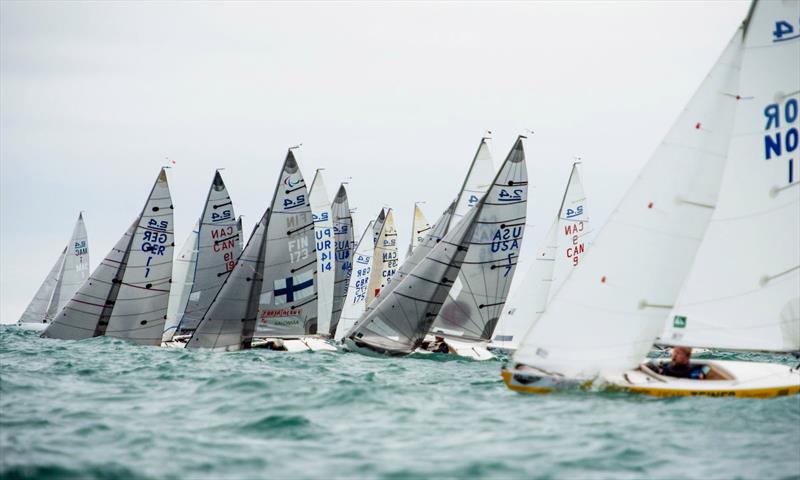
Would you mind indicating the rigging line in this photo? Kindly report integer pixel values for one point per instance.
(291, 190)
(217, 242)
(416, 299)
(291, 232)
(221, 205)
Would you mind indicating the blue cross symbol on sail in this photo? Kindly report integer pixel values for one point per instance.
(294, 288)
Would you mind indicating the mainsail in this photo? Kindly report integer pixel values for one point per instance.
(384, 260)
(356, 300)
(64, 279)
(743, 292)
(564, 248)
(618, 299)
(182, 279)
(400, 321)
(324, 247)
(343, 236)
(216, 254)
(475, 302)
(419, 229)
(126, 296)
(476, 183)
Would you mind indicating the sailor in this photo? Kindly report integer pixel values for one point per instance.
(680, 366)
(440, 346)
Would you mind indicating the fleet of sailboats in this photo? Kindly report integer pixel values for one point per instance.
(702, 251)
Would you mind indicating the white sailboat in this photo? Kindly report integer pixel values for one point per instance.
(270, 298)
(476, 183)
(384, 259)
(355, 302)
(712, 189)
(182, 279)
(324, 247)
(64, 279)
(564, 248)
(344, 247)
(419, 229)
(126, 295)
(401, 318)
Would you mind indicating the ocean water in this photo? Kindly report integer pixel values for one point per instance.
(106, 409)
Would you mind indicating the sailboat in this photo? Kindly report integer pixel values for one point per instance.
(419, 229)
(126, 295)
(182, 279)
(324, 247)
(355, 302)
(402, 316)
(691, 244)
(215, 256)
(270, 299)
(564, 248)
(384, 259)
(344, 245)
(64, 279)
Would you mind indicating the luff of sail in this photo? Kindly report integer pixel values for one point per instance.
(126, 296)
(183, 276)
(288, 301)
(343, 236)
(618, 299)
(217, 238)
(324, 248)
(476, 183)
(474, 304)
(419, 229)
(384, 260)
(564, 248)
(743, 292)
(356, 299)
(63, 280)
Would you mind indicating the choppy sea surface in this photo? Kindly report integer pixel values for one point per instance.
(103, 408)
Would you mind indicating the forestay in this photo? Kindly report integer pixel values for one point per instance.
(344, 243)
(216, 254)
(564, 248)
(356, 299)
(126, 296)
(182, 278)
(63, 280)
(324, 247)
(475, 302)
(419, 229)
(606, 316)
(288, 301)
(384, 259)
(743, 292)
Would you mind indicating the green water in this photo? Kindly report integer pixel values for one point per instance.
(105, 409)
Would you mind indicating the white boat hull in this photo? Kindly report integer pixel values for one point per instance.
(36, 327)
(732, 379)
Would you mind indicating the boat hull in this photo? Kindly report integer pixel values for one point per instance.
(36, 327)
(744, 380)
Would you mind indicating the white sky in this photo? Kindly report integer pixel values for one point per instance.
(94, 96)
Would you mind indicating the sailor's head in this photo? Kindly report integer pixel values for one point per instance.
(681, 355)
(439, 339)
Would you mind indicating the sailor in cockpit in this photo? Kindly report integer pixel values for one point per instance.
(680, 366)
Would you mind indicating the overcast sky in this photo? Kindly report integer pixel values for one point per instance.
(94, 96)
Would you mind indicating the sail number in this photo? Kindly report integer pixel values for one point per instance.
(781, 135)
(512, 196)
(785, 31)
(154, 241)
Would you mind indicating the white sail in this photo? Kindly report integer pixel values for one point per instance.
(36, 312)
(384, 260)
(476, 183)
(324, 247)
(67, 275)
(743, 292)
(419, 229)
(377, 225)
(126, 296)
(229, 322)
(564, 248)
(217, 250)
(356, 300)
(401, 319)
(475, 302)
(344, 246)
(288, 302)
(182, 279)
(607, 314)
(242, 238)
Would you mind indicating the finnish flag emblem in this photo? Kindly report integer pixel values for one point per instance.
(294, 288)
